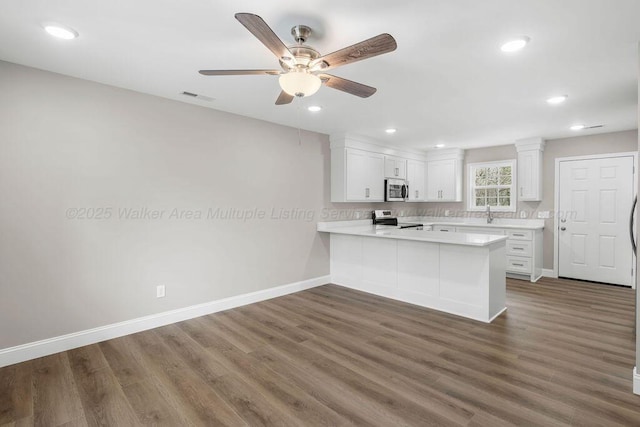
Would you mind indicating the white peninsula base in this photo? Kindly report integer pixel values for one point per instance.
(466, 280)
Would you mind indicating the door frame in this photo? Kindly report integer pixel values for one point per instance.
(556, 202)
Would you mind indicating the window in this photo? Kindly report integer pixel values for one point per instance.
(492, 184)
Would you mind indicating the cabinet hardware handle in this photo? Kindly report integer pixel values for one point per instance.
(397, 169)
(519, 265)
(366, 192)
(563, 220)
(515, 248)
(518, 234)
(520, 191)
(563, 228)
(417, 194)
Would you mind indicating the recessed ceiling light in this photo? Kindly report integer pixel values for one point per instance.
(439, 145)
(60, 31)
(314, 108)
(577, 127)
(557, 99)
(515, 44)
(391, 130)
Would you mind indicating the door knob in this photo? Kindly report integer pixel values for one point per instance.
(563, 228)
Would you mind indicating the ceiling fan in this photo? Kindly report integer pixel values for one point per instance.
(303, 68)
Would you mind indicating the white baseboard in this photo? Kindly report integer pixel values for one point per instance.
(548, 272)
(636, 381)
(21, 353)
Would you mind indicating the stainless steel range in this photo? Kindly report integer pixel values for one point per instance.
(384, 217)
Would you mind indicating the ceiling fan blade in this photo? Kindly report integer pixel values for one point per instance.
(369, 48)
(264, 33)
(284, 98)
(354, 88)
(238, 72)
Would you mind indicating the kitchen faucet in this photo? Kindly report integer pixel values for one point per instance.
(489, 216)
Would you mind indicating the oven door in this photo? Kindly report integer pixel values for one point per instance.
(395, 190)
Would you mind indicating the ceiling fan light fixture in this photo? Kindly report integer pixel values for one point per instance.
(300, 83)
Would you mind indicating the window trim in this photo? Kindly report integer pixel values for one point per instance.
(471, 167)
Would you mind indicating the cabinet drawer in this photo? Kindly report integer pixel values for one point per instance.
(478, 230)
(444, 228)
(520, 234)
(519, 247)
(519, 265)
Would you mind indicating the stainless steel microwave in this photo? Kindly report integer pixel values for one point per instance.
(396, 190)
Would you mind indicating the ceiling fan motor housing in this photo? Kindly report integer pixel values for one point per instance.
(303, 55)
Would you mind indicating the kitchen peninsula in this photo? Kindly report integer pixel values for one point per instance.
(457, 273)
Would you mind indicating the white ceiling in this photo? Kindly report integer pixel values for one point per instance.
(447, 82)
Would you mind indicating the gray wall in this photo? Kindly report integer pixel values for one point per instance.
(614, 142)
(67, 143)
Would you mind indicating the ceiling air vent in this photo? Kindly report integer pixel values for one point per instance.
(195, 95)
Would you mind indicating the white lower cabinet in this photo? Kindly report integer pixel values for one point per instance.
(423, 273)
(523, 249)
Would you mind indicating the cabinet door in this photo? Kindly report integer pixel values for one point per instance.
(448, 180)
(529, 182)
(416, 180)
(375, 177)
(444, 181)
(401, 165)
(433, 181)
(357, 175)
(395, 167)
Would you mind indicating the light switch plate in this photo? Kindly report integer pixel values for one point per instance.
(160, 291)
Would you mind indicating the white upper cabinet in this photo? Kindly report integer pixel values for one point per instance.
(530, 153)
(360, 166)
(395, 167)
(356, 175)
(364, 172)
(444, 177)
(416, 180)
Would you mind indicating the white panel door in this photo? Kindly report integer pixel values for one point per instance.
(594, 206)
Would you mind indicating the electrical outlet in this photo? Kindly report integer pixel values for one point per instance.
(523, 214)
(447, 212)
(544, 215)
(160, 291)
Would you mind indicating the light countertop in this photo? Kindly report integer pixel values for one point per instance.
(504, 223)
(499, 223)
(387, 232)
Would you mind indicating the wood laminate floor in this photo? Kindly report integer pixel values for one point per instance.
(561, 355)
